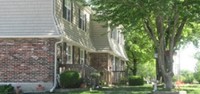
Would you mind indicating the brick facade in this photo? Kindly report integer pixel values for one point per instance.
(99, 60)
(27, 60)
(102, 62)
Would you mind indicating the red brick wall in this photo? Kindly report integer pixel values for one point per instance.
(26, 60)
(99, 60)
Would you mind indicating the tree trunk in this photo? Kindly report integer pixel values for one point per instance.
(168, 82)
(134, 68)
(169, 69)
(165, 64)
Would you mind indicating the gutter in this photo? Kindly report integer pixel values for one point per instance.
(55, 66)
(55, 58)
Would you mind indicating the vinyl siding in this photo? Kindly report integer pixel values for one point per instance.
(27, 18)
(104, 43)
(99, 36)
(72, 32)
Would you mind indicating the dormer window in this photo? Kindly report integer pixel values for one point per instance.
(67, 10)
(82, 20)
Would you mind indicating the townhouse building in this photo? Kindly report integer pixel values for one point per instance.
(42, 38)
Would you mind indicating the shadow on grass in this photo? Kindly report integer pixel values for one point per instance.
(127, 90)
(146, 89)
(191, 89)
(115, 90)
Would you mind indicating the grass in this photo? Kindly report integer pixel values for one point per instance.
(115, 90)
(146, 89)
(191, 89)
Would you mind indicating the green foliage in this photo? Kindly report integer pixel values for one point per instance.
(187, 76)
(95, 74)
(197, 68)
(168, 23)
(140, 51)
(136, 80)
(150, 70)
(7, 89)
(70, 79)
(197, 72)
(123, 81)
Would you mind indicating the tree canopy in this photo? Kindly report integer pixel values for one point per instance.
(167, 22)
(159, 16)
(139, 49)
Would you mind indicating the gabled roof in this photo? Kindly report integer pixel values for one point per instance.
(103, 42)
(27, 18)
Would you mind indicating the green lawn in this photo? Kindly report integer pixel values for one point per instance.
(147, 89)
(115, 90)
(191, 89)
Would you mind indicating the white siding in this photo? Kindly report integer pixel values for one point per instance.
(72, 33)
(27, 18)
(99, 36)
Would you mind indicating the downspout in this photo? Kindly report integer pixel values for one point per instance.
(55, 66)
(55, 58)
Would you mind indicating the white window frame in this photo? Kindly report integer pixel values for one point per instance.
(113, 63)
(82, 20)
(69, 54)
(82, 56)
(68, 6)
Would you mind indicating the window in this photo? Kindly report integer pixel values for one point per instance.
(82, 56)
(67, 10)
(82, 20)
(122, 39)
(114, 34)
(69, 54)
(113, 63)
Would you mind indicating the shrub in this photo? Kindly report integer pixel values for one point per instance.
(7, 89)
(123, 81)
(70, 79)
(187, 76)
(197, 76)
(95, 78)
(135, 80)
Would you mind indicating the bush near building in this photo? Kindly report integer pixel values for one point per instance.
(70, 79)
(7, 89)
(136, 80)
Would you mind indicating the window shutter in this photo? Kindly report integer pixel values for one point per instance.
(64, 10)
(73, 55)
(85, 23)
(79, 55)
(79, 16)
(85, 57)
(71, 11)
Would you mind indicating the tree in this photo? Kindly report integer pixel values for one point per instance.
(167, 22)
(197, 72)
(139, 50)
(186, 76)
(197, 67)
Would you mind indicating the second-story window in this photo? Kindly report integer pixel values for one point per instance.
(114, 34)
(67, 10)
(82, 20)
